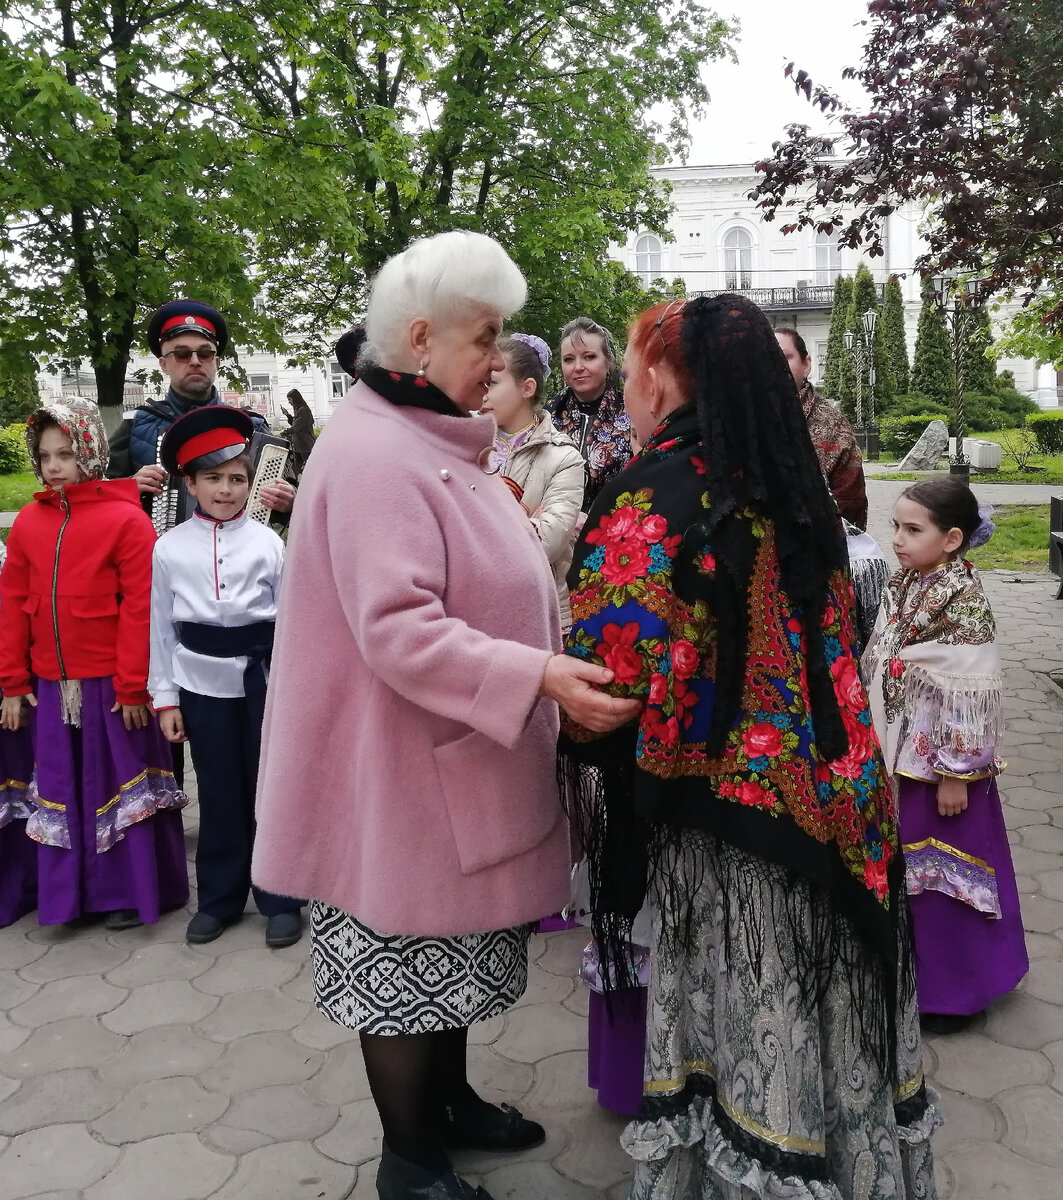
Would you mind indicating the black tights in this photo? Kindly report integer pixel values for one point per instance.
(413, 1078)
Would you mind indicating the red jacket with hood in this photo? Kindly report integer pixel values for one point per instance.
(75, 592)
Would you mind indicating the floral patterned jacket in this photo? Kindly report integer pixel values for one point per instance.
(768, 791)
(839, 459)
(604, 439)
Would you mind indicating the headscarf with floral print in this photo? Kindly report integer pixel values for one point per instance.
(80, 420)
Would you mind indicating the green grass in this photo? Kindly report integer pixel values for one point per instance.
(1020, 542)
(1049, 466)
(17, 490)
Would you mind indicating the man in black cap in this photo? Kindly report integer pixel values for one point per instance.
(188, 338)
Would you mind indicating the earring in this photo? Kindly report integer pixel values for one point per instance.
(420, 370)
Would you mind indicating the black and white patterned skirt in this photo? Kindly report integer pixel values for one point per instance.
(395, 983)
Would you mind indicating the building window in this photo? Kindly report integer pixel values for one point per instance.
(828, 258)
(648, 259)
(341, 382)
(738, 258)
(258, 383)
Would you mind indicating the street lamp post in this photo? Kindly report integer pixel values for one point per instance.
(861, 351)
(960, 308)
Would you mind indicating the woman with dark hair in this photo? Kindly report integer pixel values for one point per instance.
(590, 407)
(749, 803)
(832, 435)
(301, 429)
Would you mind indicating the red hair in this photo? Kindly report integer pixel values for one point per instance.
(654, 345)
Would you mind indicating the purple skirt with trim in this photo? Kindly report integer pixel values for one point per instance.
(965, 958)
(108, 793)
(18, 855)
(616, 1048)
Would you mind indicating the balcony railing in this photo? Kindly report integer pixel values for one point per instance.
(774, 299)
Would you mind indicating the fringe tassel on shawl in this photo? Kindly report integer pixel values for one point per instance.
(962, 711)
(70, 701)
(628, 856)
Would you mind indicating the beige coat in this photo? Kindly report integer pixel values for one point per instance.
(550, 469)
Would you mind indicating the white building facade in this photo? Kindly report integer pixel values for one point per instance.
(721, 242)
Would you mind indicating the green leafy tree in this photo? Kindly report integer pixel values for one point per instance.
(893, 337)
(19, 393)
(865, 298)
(270, 156)
(933, 372)
(979, 370)
(836, 368)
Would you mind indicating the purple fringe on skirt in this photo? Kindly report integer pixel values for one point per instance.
(107, 812)
(959, 872)
(18, 855)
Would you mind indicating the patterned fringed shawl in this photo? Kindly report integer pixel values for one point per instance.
(642, 603)
(933, 658)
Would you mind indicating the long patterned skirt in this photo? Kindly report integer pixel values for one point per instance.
(395, 983)
(18, 855)
(108, 813)
(754, 1089)
(959, 868)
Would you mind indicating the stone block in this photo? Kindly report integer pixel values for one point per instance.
(246, 970)
(55, 1158)
(499, 1079)
(85, 956)
(931, 445)
(535, 1181)
(1045, 980)
(174, 1167)
(968, 1062)
(158, 1107)
(342, 1079)
(534, 1032)
(292, 1171)
(1018, 1019)
(1034, 1117)
(562, 953)
(77, 1042)
(282, 1114)
(241, 1013)
(172, 1001)
(1042, 915)
(151, 964)
(990, 1171)
(57, 1098)
(159, 1053)
(319, 1033)
(17, 951)
(80, 996)
(260, 1060)
(356, 1136)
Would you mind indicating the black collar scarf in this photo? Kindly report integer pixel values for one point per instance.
(409, 391)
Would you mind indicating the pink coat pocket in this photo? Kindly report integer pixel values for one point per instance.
(475, 777)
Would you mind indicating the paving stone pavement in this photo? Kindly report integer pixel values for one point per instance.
(135, 1066)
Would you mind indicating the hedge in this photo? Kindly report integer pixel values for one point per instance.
(1048, 430)
(899, 434)
(14, 457)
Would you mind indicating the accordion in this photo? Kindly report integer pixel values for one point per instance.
(174, 503)
(269, 456)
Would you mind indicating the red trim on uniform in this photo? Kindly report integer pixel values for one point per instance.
(196, 323)
(217, 593)
(207, 443)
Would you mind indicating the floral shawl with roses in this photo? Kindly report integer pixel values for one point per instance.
(934, 674)
(642, 605)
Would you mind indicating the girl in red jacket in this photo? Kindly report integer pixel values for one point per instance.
(75, 597)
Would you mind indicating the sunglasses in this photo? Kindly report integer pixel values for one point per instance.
(183, 354)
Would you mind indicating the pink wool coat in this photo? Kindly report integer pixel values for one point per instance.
(407, 772)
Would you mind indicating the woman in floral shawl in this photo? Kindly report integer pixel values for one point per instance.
(935, 692)
(749, 804)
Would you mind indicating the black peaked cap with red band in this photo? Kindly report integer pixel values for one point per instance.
(206, 437)
(186, 316)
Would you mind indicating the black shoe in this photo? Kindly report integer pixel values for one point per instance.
(398, 1179)
(943, 1023)
(204, 928)
(491, 1127)
(122, 918)
(284, 929)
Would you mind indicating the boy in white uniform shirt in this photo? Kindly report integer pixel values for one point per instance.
(214, 588)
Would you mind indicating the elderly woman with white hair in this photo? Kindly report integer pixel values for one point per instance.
(407, 782)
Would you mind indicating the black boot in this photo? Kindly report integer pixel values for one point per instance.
(398, 1179)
